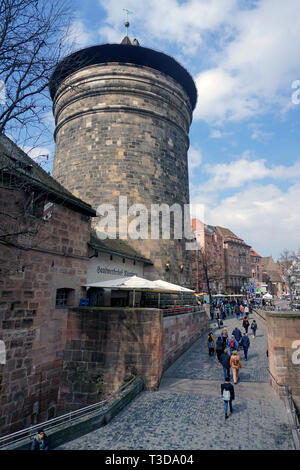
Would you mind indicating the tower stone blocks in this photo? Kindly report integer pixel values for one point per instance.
(122, 118)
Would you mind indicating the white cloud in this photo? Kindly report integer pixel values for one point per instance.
(171, 20)
(255, 69)
(78, 37)
(194, 158)
(261, 213)
(237, 173)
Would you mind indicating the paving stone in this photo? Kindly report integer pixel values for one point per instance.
(183, 419)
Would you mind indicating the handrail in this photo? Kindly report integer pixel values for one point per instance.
(291, 407)
(67, 417)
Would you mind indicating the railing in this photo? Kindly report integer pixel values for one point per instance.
(179, 310)
(291, 408)
(60, 420)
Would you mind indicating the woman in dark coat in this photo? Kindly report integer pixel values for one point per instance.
(219, 347)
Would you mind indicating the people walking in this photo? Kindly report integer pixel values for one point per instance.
(227, 392)
(253, 328)
(211, 344)
(225, 362)
(245, 342)
(237, 311)
(236, 365)
(242, 308)
(237, 334)
(246, 324)
(232, 344)
(224, 337)
(219, 347)
(40, 441)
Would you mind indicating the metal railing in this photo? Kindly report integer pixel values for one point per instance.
(291, 408)
(69, 417)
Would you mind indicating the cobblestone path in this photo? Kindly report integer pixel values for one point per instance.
(187, 412)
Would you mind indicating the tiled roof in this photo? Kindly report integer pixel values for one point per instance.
(118, 247)
(254, 253)
(14, 160)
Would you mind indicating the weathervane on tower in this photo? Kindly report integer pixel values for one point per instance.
(127, 24)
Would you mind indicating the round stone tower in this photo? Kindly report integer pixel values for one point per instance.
(122, 115)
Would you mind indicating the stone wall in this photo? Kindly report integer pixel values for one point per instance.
(283, 330)
(106, 347)
(180, 331)
(31, 326)
(122, 130)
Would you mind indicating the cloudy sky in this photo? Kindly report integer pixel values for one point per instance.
(244, 158)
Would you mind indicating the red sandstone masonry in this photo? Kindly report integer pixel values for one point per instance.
(106, 346)
(283, 328)
(33, 330)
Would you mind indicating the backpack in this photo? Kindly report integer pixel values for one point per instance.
(235, 362)
(231, 344)
(226, 395)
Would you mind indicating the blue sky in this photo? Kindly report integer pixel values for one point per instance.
(244, 156)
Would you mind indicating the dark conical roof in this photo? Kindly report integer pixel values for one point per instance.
(123, 53)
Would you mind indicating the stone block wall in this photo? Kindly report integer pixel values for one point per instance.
(180, 331)
(122, 130)
(32, 327)
(105, 348)
(283, 329)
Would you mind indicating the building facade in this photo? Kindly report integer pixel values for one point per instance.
(272, 276)
(208, 261)
(44, 235)
(237, 262)
(122, 116)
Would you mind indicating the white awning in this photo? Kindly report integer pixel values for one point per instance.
(171, 287)
(139, 283)
(129, 283)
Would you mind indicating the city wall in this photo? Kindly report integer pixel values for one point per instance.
(32, 327)
(283, 331)
(106, 347)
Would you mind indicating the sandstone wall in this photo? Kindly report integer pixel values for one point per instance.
(283, 330)
(106, 347)
(32, 328)
(122, 130)
(180, 331)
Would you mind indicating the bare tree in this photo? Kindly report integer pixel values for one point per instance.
(32, 41)
(208, 270)
(289, 262)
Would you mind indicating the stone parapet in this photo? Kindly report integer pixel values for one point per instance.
(283, 330)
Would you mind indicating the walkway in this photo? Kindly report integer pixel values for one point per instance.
(187, 412)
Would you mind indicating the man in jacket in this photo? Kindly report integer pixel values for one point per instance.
(237, 334)
(246, 324)
(245, 342)
(40, 441)
(236, 365)
(227, 389)
(225, 361)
